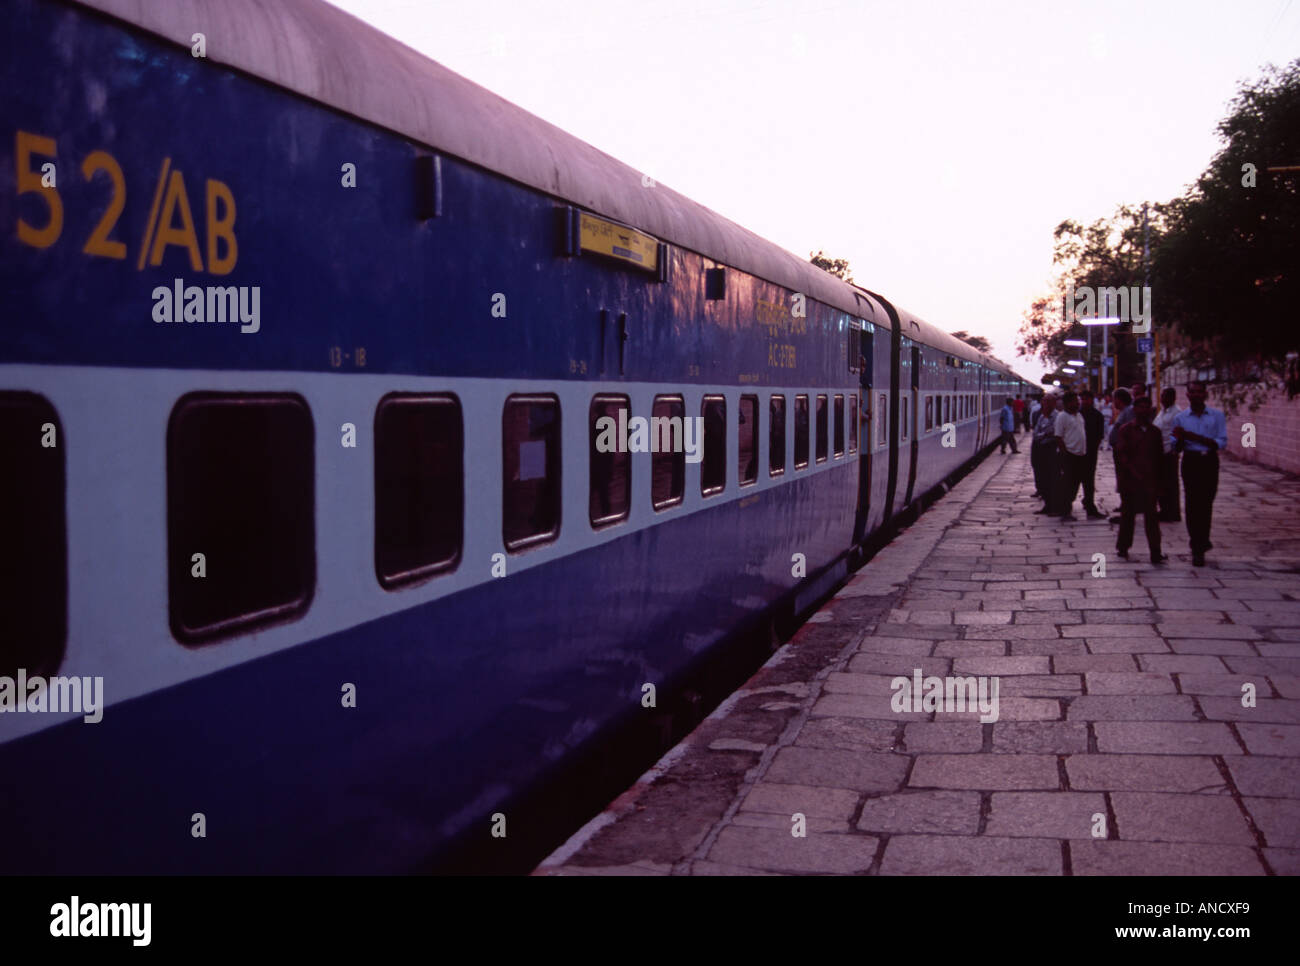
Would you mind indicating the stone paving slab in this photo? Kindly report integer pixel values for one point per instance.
(1147, 721)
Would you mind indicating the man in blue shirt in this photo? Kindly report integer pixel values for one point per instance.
(1008, 424)
(1200, 432)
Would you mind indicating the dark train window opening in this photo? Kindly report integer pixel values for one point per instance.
(839, 424)
(713, 466)
(610, 494)
(854, 416)
(419, 487)
(241, 541)
(776, 436)
(530, 479)
(823, 431)
(882, 431)
(800, 431)
(668, 458)
(747, 440)
(34, 558)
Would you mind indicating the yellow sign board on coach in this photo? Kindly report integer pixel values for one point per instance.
(617, 241)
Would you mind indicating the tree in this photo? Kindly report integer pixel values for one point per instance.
(976, 341)
(839, 267)
(1225, 257)
(1229, 272)
(1105, 254)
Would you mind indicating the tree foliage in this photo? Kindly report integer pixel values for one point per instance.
(1225, 257)
(1104, 254)
(976, 341)
(839, 267)
(1230, 269)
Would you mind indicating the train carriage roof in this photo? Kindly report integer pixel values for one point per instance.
(327, 55)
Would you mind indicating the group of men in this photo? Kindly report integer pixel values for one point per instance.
(1067, 434)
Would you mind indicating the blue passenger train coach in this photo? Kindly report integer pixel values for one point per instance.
(317, 561)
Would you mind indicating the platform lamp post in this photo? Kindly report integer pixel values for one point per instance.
(1146, 282)
(1104, 322)
(1075, 342)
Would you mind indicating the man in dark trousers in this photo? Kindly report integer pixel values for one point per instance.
(1169, 499)
(1008, 424)
(1201, 432)
(1072, 438)
(1043, 454)
(1123, 414)
(1139, 451)
(1094, 424)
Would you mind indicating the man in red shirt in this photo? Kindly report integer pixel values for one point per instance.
(1139, 451)
(1018, 406)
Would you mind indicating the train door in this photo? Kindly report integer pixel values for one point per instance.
(912, 397)
(861, 363)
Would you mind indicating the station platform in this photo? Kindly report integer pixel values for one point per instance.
(1125, 739)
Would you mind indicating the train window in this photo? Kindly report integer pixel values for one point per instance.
(882, 421)
(610, 494)
(34, 561)
(853, 423)
(747, 438)
(241, 541)
(823, 431)
(776, 436)
(530, 478)
(800, 431)
(947, 409)
(906, 411)
(839, 424)
(855, 337)
(419, 487)
(668, 452)
(929, 413)
(713, 467)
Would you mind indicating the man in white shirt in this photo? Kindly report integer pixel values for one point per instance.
(1072, 438)
(1167, 496)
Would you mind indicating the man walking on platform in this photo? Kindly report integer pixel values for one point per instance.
(1019, 406)
(1008, 423)
(1123, 415)
(1168, 498)
(1094, 424)
(1200, 432)
(1072, 438)
(1043, 455)
(1138, 454)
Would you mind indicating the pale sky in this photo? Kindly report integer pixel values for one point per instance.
(933, 145)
